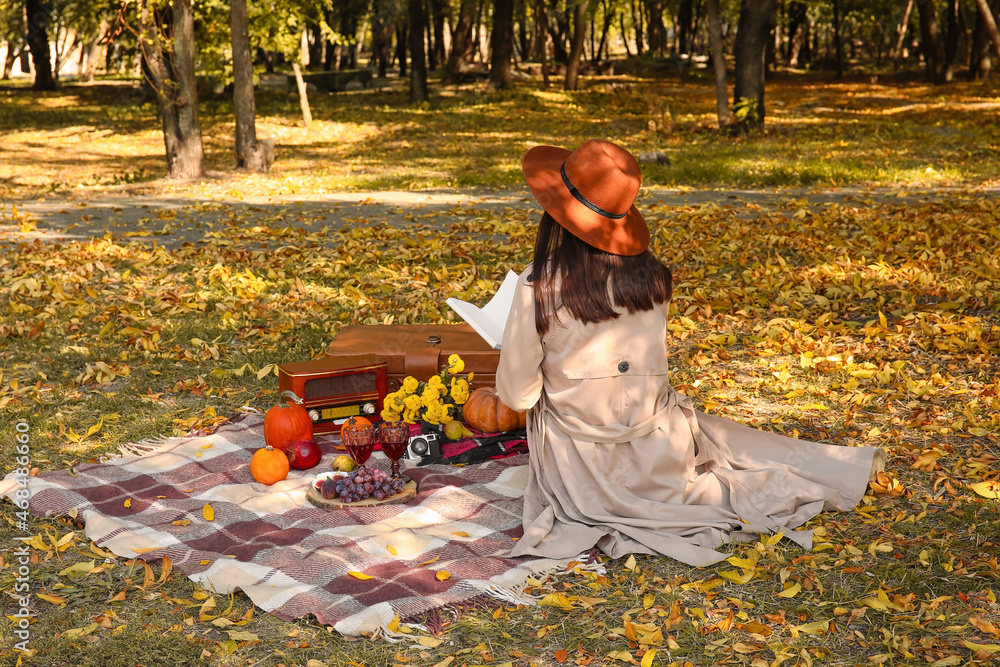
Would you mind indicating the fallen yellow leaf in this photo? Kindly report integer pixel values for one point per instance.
(988, 489)
(359, 575)
(430, 642)
(128, 502)
(791, 591)
(54, 599)
(558, 600)
(391, 549)
(441, 575)
(989, 648)
(208, 512)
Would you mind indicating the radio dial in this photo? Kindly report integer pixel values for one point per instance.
(368, 408)
(314, 415)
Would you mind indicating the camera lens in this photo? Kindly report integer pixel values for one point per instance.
(419, 446)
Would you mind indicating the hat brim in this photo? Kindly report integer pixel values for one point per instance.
(622, 236)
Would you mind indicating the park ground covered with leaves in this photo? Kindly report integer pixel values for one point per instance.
(868, 321)
(819, 132)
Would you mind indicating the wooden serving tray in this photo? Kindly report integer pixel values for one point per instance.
(406, 495)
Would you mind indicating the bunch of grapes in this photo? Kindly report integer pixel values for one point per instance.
(360, 484)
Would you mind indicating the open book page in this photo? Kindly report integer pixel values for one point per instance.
(490, 320)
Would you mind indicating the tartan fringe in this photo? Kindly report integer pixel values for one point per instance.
(134, 450)
(508, 596)
(431, 621)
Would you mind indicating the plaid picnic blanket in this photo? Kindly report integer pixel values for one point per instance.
(289, 557)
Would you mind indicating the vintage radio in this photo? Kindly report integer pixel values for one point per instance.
(335, 389)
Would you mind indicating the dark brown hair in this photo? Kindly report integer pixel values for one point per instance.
(594, 285)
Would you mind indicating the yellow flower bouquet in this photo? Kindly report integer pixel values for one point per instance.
(439, 400)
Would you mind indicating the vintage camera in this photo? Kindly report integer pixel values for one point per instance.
(423, 445)
(335, 389)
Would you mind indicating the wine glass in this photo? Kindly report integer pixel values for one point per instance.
(394, 436)
(360, 441)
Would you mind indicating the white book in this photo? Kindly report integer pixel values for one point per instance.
(490, 320)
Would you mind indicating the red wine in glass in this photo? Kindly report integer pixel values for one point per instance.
(394, 437)
(360, 442)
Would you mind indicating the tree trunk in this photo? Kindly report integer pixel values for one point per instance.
(382, 28)
(418, 65)
(751, 42)
(90, 51)
(307, 117)
(951, 39)
(798, 22)
(501, 44)
(189, 162)
(718, 61)
(429, 52)
(441, 10)
(542, 19)
(171, 74)
(990, 25)
(39, 15)
(521, 19)
(685, 14)
(930, 42)
(901, 29)
(979, 55)
(8, 61)
(621, 26)
(592, 31)
(609, 17)
(559, 33)
(838, 45)
(250, 153)
(477, 31)
(655, 30)
(461, 41)
(63, 44)
(402, 32)
(576, 48)
(637, 24)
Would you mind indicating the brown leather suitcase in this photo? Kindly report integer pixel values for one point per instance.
(420, 350)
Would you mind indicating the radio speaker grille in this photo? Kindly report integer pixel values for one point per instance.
(342, 385)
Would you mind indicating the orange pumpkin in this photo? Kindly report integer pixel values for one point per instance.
(485, 412)
(354, 422)
(269, 465)
(283, 425)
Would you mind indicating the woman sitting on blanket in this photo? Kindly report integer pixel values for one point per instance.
(618, 458)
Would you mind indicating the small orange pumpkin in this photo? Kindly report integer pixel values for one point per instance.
(283, 425)
(485, 412)
(269, 465)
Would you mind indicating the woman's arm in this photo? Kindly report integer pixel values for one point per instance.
(519, 375)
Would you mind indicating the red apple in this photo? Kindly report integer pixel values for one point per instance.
(304, 454)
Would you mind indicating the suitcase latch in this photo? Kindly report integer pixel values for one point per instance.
(433, 339)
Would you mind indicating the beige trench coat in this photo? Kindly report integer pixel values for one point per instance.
(620, 460)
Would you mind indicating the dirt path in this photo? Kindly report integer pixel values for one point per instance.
(174, 220)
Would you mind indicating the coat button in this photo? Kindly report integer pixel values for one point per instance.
(622, 367)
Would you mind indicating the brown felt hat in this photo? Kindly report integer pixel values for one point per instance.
(590, 192)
